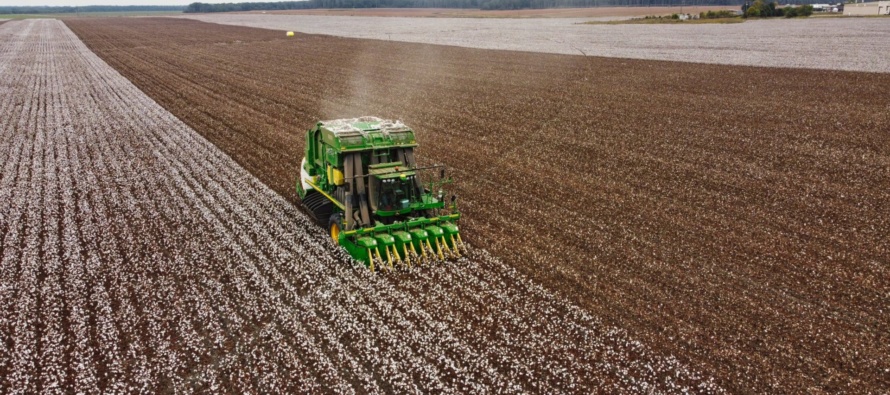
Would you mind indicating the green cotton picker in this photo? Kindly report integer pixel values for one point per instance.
(359, 178)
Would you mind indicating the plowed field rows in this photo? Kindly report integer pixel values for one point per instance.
(136, 257)
(734, 217)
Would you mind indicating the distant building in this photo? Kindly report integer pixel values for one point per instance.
(873, 8)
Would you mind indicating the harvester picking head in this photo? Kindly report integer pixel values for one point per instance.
(360, 178)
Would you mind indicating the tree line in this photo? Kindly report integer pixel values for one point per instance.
(18, 10)
(763, 9)
(481, 4)
(314, 4)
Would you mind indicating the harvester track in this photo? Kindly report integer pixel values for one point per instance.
(318, 207)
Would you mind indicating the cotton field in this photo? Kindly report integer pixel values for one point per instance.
(855, 44)
(730, 217)
(137, 257)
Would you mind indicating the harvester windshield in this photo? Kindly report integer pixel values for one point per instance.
(394, 189)
(395, 194)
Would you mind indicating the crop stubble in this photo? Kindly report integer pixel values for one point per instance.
(135, 256)
(732, 216)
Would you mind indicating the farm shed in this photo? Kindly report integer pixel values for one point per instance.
(873, 8)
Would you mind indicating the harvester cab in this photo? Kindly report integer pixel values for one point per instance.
(359, 178)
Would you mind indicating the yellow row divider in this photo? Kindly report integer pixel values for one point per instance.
(454, 244)
(407, 258)
(377, 250)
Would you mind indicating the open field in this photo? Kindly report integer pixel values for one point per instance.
(733, 217)
(594, 12)
(828, 43)
(668, 21)
(136, 257)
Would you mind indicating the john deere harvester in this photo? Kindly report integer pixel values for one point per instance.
(359, 178)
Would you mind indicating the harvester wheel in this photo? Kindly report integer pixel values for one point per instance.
(334, 226)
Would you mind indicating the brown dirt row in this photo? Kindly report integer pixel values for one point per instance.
(595, 12)
(135, 256)
(734, 217)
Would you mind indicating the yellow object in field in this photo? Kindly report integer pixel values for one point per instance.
(290, 34)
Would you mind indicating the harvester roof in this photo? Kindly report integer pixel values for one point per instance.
(356, 134)
(390, 170)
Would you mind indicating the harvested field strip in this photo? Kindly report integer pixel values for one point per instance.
(590, 12)
(730, 216)
(853, 44)
(136, 256)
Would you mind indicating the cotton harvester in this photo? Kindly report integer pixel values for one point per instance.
(359, 178)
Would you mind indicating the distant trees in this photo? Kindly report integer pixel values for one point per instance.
(718, 14)
(757, 9)
(228, 7)
(481, 4)
(19, 10)
(761, 6)
(762, 9)
(804, 10)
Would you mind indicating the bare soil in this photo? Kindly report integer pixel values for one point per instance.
(733, 217)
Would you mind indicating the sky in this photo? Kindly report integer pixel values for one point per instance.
(114, 2)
